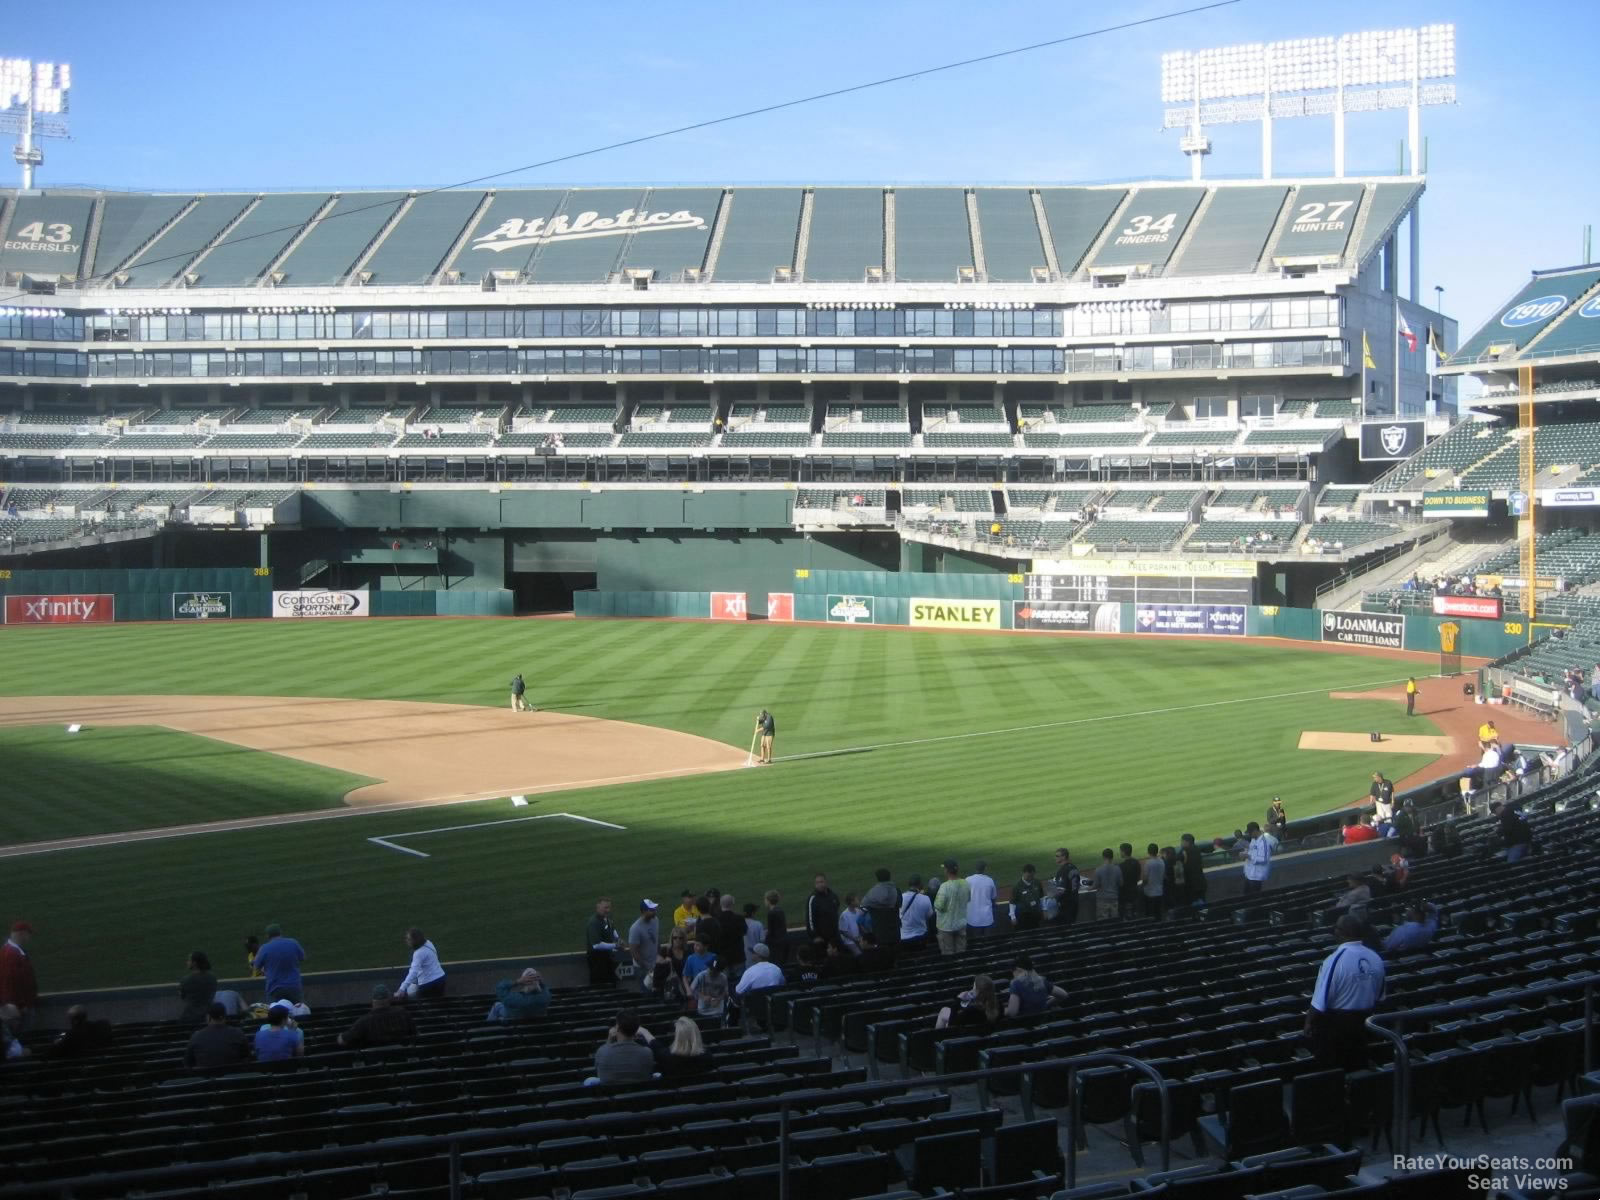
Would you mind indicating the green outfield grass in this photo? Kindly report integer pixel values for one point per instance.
(927, 745)
(106, 780)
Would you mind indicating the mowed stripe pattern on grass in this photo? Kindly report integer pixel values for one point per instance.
(527, 889)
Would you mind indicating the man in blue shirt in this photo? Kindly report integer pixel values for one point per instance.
(1349, 986)
(279, 959)
(1421, 923)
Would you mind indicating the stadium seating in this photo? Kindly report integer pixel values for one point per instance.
(770, 439)
(1569, 445)
(444, 414)
(1119, 413)
(581, 414)
(1244, 535)
(1193, 437)
(1280, 436)
(375, 439)
(1466, 443)
(1351, 533)
(962, 500)
(886, 440)
(1132, 535)
(253, 441)
(1223, 1027)
(444, 440)
(945, 440)
(790, 413)
(1091, 440)
(840, 497)
(664, 441)
(268, 416)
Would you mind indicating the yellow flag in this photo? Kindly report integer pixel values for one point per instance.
(1366, 353)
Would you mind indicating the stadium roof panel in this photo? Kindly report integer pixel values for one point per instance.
(586, 236)
(1554, 314)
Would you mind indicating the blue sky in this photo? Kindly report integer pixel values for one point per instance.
(210, 95)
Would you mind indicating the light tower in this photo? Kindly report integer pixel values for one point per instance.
(1309, 77)
(33, 102)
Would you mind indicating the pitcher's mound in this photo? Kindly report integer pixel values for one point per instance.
(1393, 743)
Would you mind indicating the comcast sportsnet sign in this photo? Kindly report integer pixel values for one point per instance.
(60, 610)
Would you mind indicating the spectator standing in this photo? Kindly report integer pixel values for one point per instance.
(1065, 886)
(18, 984)
(425, 977)
(730, 935)
(197, 989)
(1153, 881)
(822, 912)
(216, 1044)
(1382, 793)
(687, 912)
(279, 959)
(525, 999)
(1515, 832)
(1277, 817)
(625, 1056)
(709, 991)
(280, 1038)
(1349, 986)
(754, 930)
(850, 918)
(644, 939)
(701, 957)
(882, 905)
(951, 909)
(915, 909)
(1194, 871)
(1258, 858)
(1411, 696)
(601, 941)
(1107, 883)
(980, 902)
(777, 926)
(385, 1025)
(1129, 894)
(1027, 900)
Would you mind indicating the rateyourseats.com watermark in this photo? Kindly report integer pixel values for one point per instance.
(1488, 1173)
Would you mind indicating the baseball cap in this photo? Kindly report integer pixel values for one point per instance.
(528, 975)
(286, 1005)
(648, 906)
(760, 950)
(379, 992)
(274, 930)
(21, 927)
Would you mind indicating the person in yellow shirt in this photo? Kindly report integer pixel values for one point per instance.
(1411, 696)
(1488, 733)
(687, 912)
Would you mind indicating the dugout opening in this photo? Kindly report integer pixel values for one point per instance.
(548, 591)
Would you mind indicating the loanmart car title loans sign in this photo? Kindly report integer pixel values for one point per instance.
(309, 602)
(954, 614)
(1364, 629)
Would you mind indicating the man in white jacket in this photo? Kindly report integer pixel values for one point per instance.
(425, 979)
(980, 908)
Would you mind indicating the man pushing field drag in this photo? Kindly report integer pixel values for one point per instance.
(519, 690)
(766, 728)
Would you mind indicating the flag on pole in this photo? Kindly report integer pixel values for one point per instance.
(1366, 353)
(1405, 332)
(1437, 343)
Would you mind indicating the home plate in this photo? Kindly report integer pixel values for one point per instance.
(1393, 743)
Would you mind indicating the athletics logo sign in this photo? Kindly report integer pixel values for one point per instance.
(540, 231)
(201, 606)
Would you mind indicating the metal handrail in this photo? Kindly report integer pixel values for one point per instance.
(1379, 1023)
(453, 1143)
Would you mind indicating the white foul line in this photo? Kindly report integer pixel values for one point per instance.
(389, 844)
(1148, 712)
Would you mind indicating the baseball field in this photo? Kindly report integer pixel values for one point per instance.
(360, 771)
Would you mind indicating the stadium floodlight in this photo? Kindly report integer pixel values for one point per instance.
(34, 101)
(1308, 77)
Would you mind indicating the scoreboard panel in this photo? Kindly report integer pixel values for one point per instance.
(1140, 589)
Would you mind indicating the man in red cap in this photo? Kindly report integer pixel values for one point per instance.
(17, 983)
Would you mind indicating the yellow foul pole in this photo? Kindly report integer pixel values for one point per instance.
(1529, 477)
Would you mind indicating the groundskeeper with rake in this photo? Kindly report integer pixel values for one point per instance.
(766, 727)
